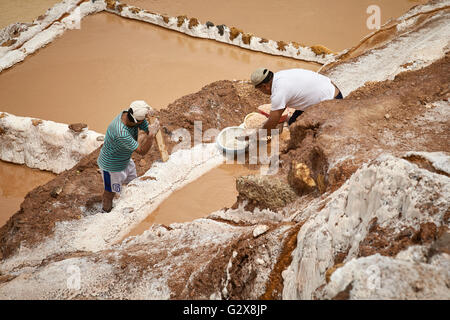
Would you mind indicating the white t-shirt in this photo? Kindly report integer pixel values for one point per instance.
(299, 89)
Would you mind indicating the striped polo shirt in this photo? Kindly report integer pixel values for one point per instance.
(120, 143)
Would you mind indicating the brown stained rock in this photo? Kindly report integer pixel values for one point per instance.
(297, 45)
(246, 38)
(344, 295)
(36, 122)
(111, 4)
(221, 29)
(263, 40)
(165, 19)
(147, 178)
(142, 163)
(321, 50)
(234, 33)
(180, 20)
(388, 242)
(264, 191)
(281, 45)
(300, 179)
(77, 127)
(424, 164)
(193, 22)
(275, 284)
(2, 115)
(427, 233)
(9, 42)
(321, 184)
(120, 7)
(6, 278)
(330, 271)
(341, 173)
(134, 10)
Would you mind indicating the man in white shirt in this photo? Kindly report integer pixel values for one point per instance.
(293, 88)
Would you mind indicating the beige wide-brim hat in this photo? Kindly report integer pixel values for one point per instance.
(259, 75)
(139, 110)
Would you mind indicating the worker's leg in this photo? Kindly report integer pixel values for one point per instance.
(107, 201)
(112, 182)
(294, 116)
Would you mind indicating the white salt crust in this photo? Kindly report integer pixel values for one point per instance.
(45, 145)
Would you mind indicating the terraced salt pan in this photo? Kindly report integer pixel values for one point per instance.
(141, 196)
(47, 30)
(410, 51)
(44, 31)
(223, 34)
(45, 145)
(380, 189)
(379, 277)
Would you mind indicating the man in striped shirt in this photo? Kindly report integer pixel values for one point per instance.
(121, 141)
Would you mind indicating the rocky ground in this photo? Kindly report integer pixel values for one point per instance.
(358, 210)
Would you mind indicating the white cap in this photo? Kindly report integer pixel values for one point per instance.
(259, 75)
(139, 110)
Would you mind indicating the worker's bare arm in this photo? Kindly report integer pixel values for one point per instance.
(274, 119)
(146, 140)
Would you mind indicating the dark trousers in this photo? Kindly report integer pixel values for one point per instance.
(297, 113)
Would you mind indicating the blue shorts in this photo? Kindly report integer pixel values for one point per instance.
(113, 180)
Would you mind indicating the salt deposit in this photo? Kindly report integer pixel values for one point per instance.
(381, 189)
(254, 120)
(409, 51)
(45, 30)
(44, 145)
(141, 196)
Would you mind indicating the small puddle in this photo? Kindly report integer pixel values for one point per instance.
(15, 182)
(211, 192)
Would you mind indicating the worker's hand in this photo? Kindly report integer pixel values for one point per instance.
(246, 134)
(153, 128)
(151, 112)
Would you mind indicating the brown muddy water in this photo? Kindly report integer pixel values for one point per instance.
(15, 182)
(211, 192)
(12, 11)
(337, 25)
(89, 75)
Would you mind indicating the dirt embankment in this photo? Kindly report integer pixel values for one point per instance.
(218, 105)
(329, 142)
